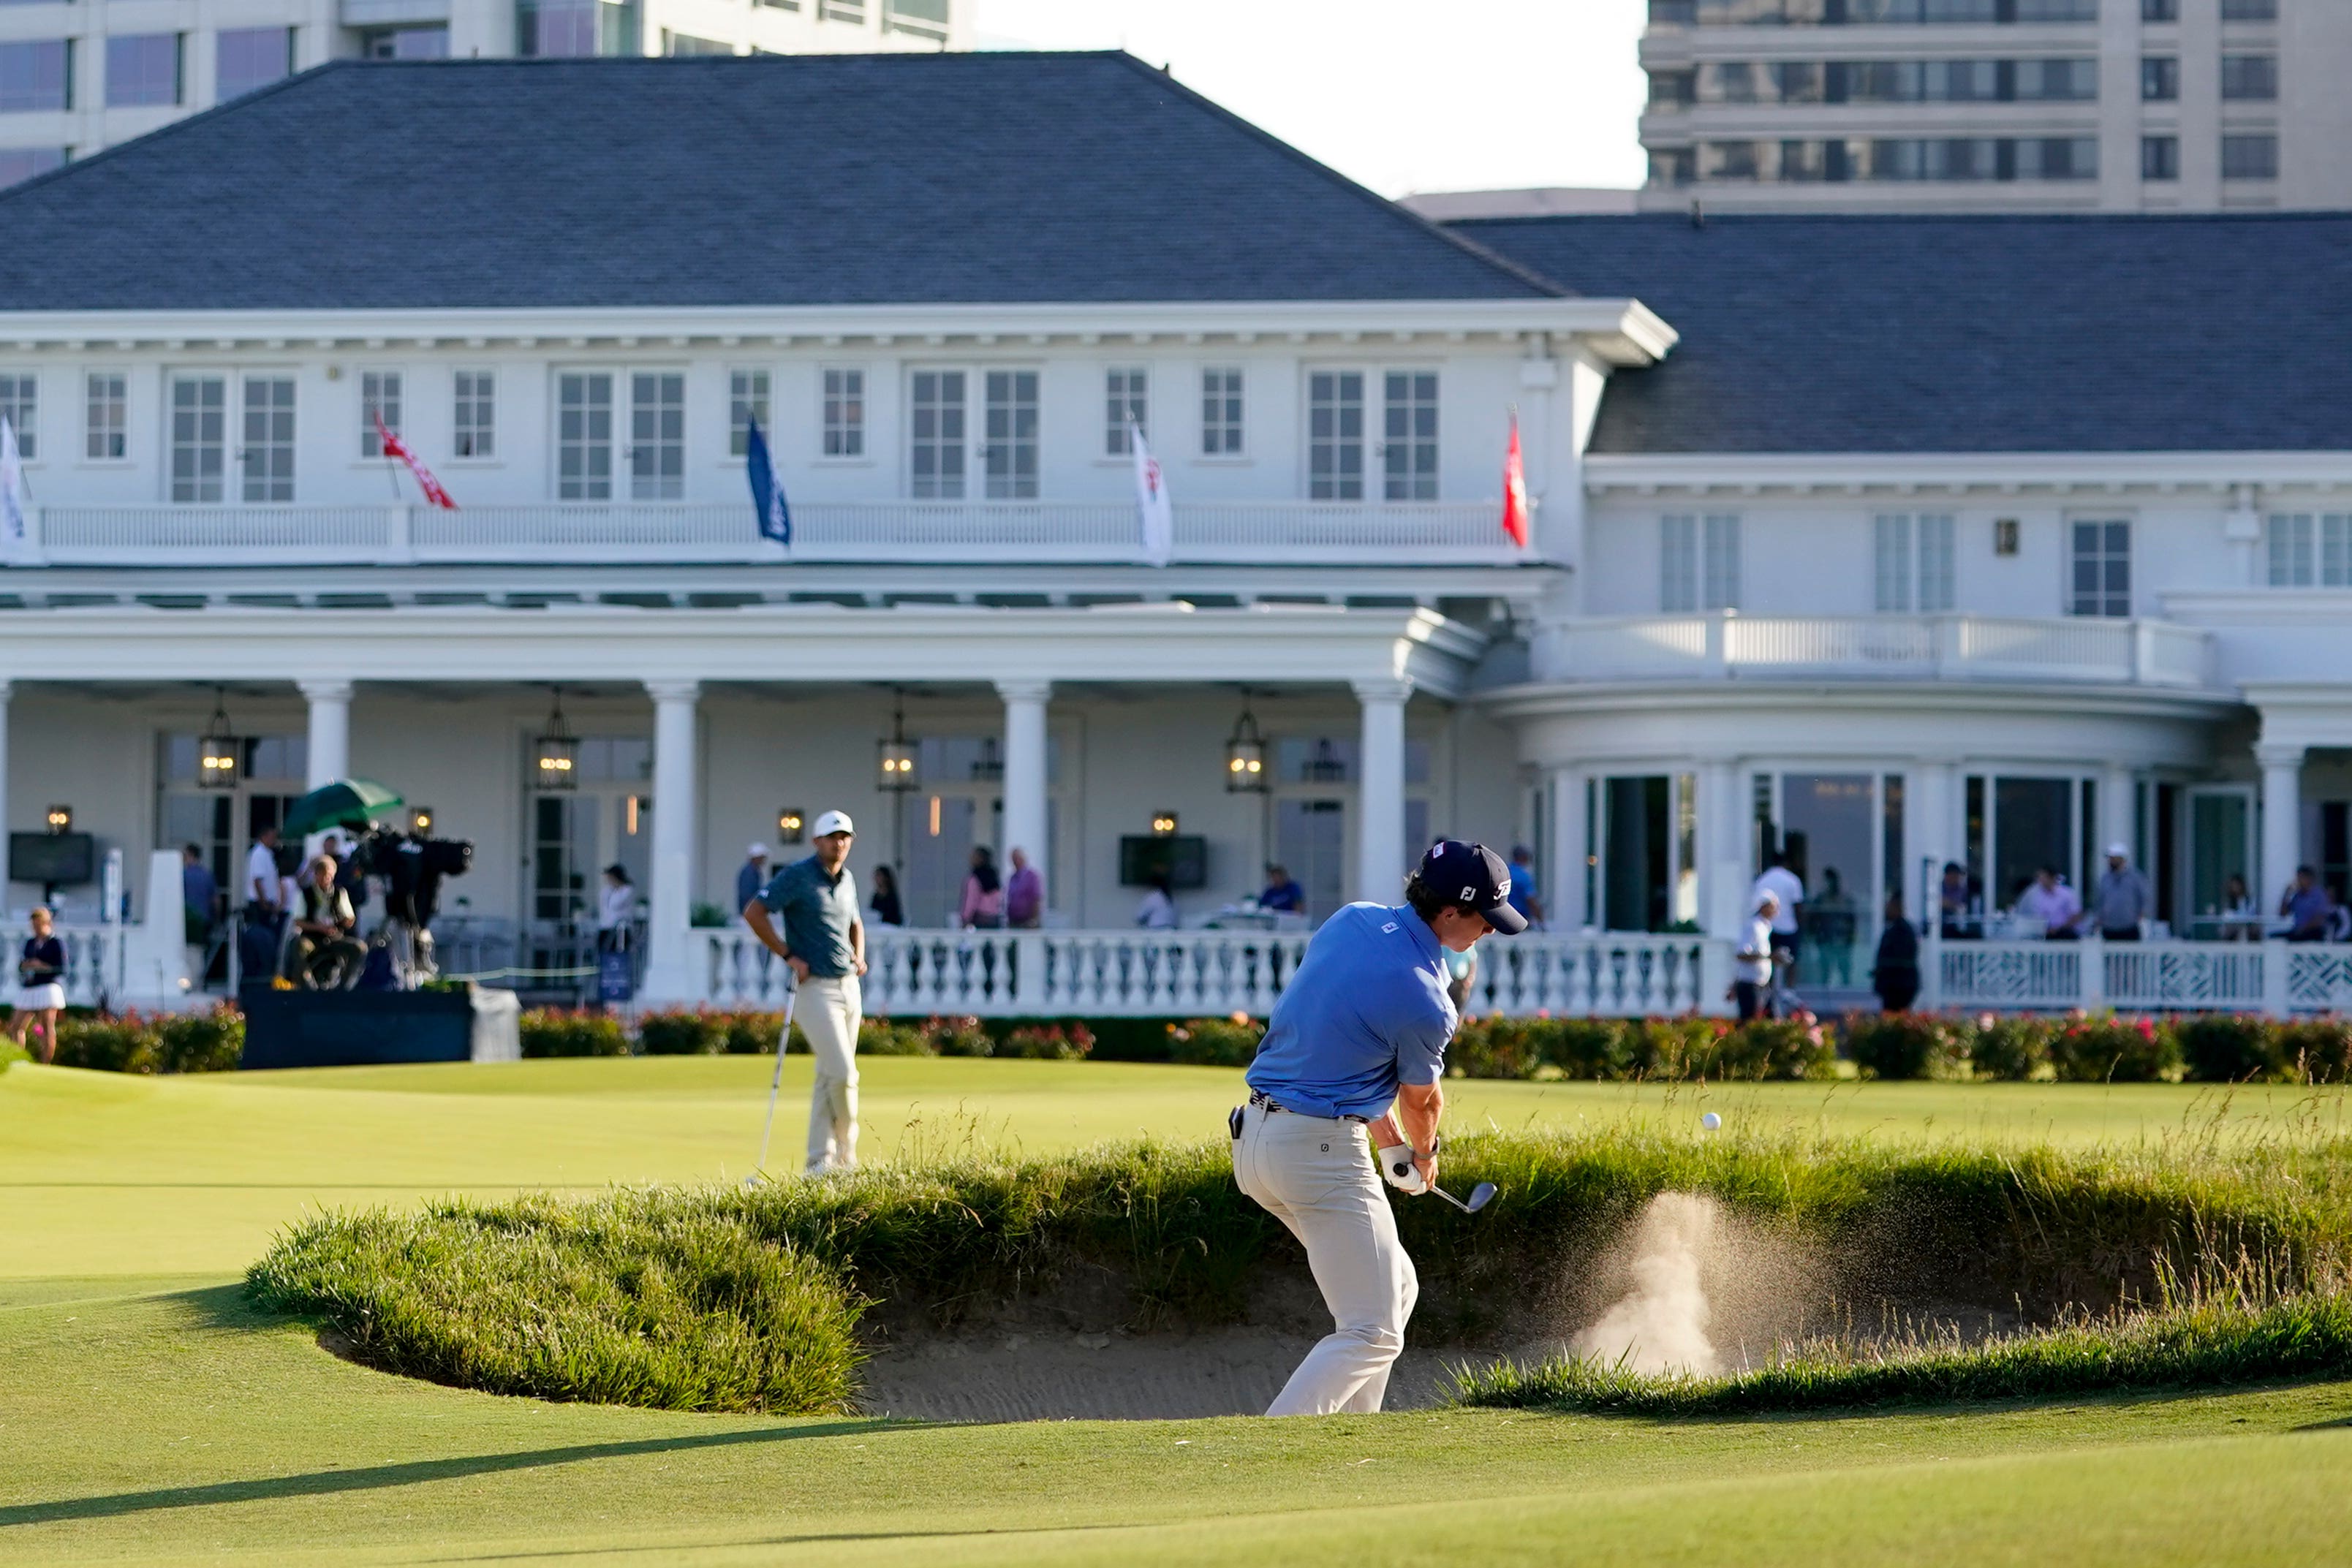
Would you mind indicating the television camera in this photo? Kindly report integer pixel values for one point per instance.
(412, 869)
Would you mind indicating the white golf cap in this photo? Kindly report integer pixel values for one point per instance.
(832, 822)
(2118, 851)
(758, 851)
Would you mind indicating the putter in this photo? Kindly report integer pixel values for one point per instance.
(1480, 1197)
(775, 1086)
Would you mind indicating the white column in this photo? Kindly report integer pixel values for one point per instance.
(1929, 836)
(1564, 894)
(329, 729)
(668, 957)
(1380, 792)
(2119, 817)
(1024, 775)
(1722, 858)
(2281, 820)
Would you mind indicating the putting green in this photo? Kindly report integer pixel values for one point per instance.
(152, 1417)
(109, 1173)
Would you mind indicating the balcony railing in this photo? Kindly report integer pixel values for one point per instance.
(1176, 973)
(2279, 978)
(1725, 644)
(1240, 532)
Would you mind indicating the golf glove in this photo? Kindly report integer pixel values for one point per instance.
(1399, 1171)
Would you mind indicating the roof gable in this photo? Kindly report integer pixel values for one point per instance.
(807, 180)
(1886, 334)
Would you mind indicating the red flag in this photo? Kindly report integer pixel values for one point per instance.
(394, 448)
(1515, 491)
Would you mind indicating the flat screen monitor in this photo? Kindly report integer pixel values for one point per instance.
(1181, 858)
(52, 860)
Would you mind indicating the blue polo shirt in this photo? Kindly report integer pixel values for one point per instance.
(816, 912)
(1365, 1011)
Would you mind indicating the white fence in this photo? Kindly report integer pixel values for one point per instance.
(1271, 533)
(1724, 644)
(1206, 973)
(2274, 978)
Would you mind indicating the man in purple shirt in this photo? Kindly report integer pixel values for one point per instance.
(2305, 907)
(1024, 892)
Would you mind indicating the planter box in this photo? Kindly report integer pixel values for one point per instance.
(354, 1028)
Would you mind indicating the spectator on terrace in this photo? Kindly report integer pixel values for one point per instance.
(1895, 974)
(1283, 895)
(2306, 908)
(1158, 910)
(199, 895)
(982, 908)
(2048, 902)
(1526, 893)
(1024, 893)
(1957, 902)
(886, 906)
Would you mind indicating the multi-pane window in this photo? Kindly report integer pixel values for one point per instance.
(747, 404)
(845, 413)
(1221, 413)
(379, 400)
(2310, 551)
(2159, 157)
(2159, 79)
(143, 67)
(841, 11)
(20, 163)
(2250, 78)
(475, 414)
(577, 30)
(936, 415)
(2250, 157)
(1012, 451)
(2101, 551)
(2064, 78)
(250, 57)
(106, 416)
(656, 436)
(20, 406)
(36, 75)
(1915, 562)
(429, 43)
(583, 435)
(199, 438)
(268, 453)
(2250, 10)
(1938, 158)
(1409, 436)
(1127, 400)
(1335, 435)
(2160, 10)
(1699, 562)
(924, 18)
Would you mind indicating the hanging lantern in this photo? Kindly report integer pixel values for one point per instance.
(791, 825)
(1245, 755)
(988, 767)
(220, 755)
(893, 768)
(555, 753)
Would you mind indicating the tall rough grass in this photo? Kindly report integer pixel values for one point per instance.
(724, 1298)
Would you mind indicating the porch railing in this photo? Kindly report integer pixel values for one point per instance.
(96, 961)
(1202, 973)
(593, 532)
(2278, 978)
(1724, 644)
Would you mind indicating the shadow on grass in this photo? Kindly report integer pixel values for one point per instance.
(371, 1477)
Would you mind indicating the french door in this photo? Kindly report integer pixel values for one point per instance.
(198, 434)
(589, 408)
(1372, 434)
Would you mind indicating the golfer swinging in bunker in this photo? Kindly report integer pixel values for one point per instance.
(1350, 1064)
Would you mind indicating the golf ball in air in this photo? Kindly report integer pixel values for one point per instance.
(1710, 1121)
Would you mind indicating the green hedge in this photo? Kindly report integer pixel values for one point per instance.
(151, 1042)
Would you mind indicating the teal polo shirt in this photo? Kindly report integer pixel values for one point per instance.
(1365, 1011)
(815, 911)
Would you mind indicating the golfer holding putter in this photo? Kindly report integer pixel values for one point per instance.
(824, 942)
(1350, 1064)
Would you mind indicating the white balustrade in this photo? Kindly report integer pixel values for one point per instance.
(1179, 974)
(95, 961)
(1441, 532)
(1725, 644)
(2274, 978)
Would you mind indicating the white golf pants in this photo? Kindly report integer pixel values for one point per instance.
(828, 1012)
(1317, 1177)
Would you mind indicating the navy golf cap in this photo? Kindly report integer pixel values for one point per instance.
(1474, 877)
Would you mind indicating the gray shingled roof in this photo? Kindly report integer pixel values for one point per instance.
(1969, 334)
(814, 180)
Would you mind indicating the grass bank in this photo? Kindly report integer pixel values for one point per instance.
(1160, 1235)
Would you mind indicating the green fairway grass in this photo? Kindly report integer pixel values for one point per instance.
(151, 1414)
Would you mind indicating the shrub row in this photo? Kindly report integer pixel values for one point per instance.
(2210, 1048)
(1680, 1048)
(709, 1031)
(151, 1042)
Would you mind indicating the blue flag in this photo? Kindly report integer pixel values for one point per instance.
(767, 495)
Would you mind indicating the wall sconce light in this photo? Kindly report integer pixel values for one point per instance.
(1163, 823)
(894, 766)
(791, 826)
(556, 752)
(61, 818)
(220, 755)
(421, 821)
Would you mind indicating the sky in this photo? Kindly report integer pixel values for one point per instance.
(1401, 95)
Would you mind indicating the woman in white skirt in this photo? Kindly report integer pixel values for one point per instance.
(40, 986)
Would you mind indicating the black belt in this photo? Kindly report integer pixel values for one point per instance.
(1259, 1100)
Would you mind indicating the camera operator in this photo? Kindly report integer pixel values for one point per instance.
(325, 955)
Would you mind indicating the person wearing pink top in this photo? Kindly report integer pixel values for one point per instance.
(983, 892)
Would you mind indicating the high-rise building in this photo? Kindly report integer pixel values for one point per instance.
(1998, 105)
(77, 78)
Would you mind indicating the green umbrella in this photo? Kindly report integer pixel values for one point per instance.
(345, 803)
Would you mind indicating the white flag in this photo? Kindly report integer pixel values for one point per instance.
(15, 537)
(1151, 503)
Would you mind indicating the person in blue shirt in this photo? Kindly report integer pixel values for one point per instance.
(1525, 897)
(824, 939)
(1282, 894)
(1350, 1064)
